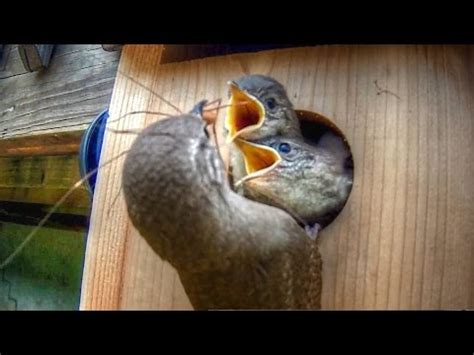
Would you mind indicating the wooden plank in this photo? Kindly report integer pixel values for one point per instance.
(6, 52)
(67, 56)
(40, 170)
(103, 279)
(45, 144)
(76, 87)
(404, 239)
(42, 180)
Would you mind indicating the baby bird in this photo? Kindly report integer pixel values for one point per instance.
(272, 163)
(311, 182)
(259, 107)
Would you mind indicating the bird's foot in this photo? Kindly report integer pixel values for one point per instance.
(312, 230)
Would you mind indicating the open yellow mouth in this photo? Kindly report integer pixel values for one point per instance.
(259, 159)
(245, 113)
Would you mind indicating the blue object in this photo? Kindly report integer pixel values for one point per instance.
(90, 148)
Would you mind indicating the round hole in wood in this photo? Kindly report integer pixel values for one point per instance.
(313, 127)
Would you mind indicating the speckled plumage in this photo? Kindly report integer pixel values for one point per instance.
(230, 252)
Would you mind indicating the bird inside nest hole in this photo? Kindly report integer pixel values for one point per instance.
(314, 126)
(309, 177)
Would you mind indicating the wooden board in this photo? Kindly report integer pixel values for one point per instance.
(64, 97)
(405, 239)
(64, 143)
(42, 180)
(40, 170)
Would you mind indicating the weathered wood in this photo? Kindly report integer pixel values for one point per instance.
(66, 57)
(40, 169)
(405, 238)
(35, 57)
(11, 62)
(46, 144)
(42, 180)
(65, 98)
(107, 264)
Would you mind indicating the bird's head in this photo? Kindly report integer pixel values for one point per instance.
(259, 107)
(275, 156)
(173, 157)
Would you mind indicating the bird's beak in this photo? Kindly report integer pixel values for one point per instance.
(245, 113)
(259, 159)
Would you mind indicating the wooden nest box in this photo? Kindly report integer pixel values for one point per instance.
(405, 239)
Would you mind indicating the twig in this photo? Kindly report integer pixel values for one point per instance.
(149, 90)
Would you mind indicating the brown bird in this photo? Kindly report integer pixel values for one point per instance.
(311, 182)
(230, 252)
(259, 107)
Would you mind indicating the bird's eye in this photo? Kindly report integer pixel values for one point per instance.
(270, 103)
(284, 148)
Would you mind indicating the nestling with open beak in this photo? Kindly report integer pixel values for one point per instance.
(312, 183)
(259, 108)
(273, 162)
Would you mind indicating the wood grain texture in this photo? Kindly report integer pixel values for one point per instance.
(42, 180)
(404, 240)
(41, 169)
(67, 96)
(64, 143)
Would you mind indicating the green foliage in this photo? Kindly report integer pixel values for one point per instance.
(54, 258)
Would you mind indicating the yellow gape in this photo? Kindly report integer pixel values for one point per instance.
(259, 159)
(245, 113)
